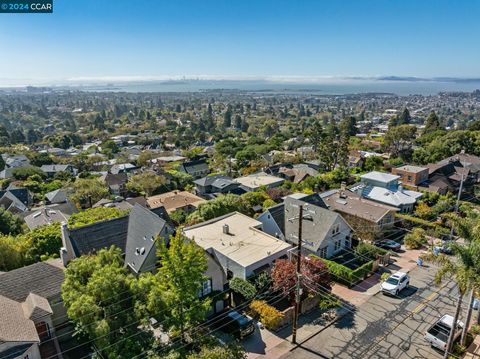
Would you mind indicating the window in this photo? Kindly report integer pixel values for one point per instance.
(337, 245)
(323, 252)
(409, 178)
(206, 288)
(335, 229)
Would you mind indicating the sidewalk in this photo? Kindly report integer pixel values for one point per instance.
(473, 351)
(265, 345)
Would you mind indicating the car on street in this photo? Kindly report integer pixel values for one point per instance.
(437, 335)
(388, 244)
(395, 283)
(237, 324)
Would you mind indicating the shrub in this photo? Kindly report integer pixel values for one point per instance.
(327, 303)
(241, 286)
(347, 276)
(475, 329)
(340, 273)
(362, 272)
(415, 220)
(365, 251)
(424, 211)
(415, 239)
(93, 215)
(262, 281)
(384, 276)
(22, 173)
(268, 315)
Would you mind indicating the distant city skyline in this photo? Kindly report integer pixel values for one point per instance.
(283, 41)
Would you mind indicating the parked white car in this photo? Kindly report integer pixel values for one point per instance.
(395, 283)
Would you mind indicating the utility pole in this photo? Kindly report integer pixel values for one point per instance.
(459, 195)
(298, 287)
(298, 293)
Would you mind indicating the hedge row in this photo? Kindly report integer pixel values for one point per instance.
(347, 276)
(416, 220)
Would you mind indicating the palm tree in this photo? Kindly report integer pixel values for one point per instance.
(464, 267)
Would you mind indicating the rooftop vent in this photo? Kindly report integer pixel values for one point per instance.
(226, 229)
(142, 250)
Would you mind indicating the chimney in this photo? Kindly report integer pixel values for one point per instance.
(226, 229)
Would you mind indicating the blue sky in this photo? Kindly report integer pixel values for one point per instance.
(155, 38)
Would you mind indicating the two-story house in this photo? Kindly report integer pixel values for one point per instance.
(369, 219)
(324, 232)
(385, 188)
(411, 176)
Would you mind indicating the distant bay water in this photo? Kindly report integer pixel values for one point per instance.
(338, 88)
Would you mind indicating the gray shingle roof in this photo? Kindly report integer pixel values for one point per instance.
(278, 215)
(100, 235)
(112, 179)
(143, 228)
(43, 216)
(194, 166)
(15, 326)
(44, 279)
(104, 234)
(209, 180)
(54, 168)
(314, 231)
(36, 307)
(57, 196)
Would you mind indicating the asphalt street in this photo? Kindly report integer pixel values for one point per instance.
(384, 326)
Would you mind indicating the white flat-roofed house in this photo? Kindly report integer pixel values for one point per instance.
(255, 181)
(238, 243)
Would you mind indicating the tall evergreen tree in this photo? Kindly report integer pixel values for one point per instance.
(405, 118)
(432, 123)
(227, 117)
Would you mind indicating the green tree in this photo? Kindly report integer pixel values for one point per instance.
(373, 163)
(86, 190)
(9, 223)
(416, 238)
(109, 147)
(399, 140)
(42, 243)
(404, 118)
(178, 281)
(227, 117)
(11, 253)
(219, 206)
(146, 182)
(464, 268)
(432, 123)
(180, 180)
(99, 297)
(228, 351)
(22, 173)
